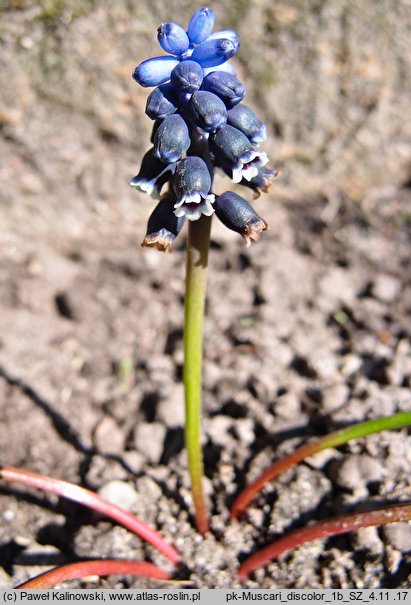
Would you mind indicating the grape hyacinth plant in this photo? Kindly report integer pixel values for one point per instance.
(200, 124)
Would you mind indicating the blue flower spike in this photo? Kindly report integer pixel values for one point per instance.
(200, 123)
(201, 25)
(173, 39)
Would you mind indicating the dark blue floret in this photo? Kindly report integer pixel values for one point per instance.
(153, 175)
(225, 86)
(238, 215)
(214, 52)
(155, 71)
(235, 153)
(243, 118)
(207, 111)
(171, 139)
(192, 184)
(163, 225)
(187, 76)
(162, 102)
(173, 39)
(201, 25)
(262, 181)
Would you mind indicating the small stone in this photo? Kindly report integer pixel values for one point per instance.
(109, 437)
(171, 408)
(245, 430)
(367, 538)
(334, 397)
(217, 429)
(149, 440)
(120, 493)
(287, 406)
(149, 488)
(386, 288)
(357, 471)
(398, 536)
(134, 460)
(320, 459)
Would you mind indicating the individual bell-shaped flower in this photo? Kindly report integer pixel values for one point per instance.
(262, 181)
(162, 102)
(187, 76)
(152, 176)
(207, 110)
(236, 154)
(171, 139)
(238, 215)
(224, 85)
(214, 52)
(243, 118)
(172, 38)
(192, 184)
(155, 71)
(201, 25)
(163, 225)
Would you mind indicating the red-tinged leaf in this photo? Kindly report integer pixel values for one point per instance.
(72, 571)
(344, 435)
(323, 529)
(91, 500)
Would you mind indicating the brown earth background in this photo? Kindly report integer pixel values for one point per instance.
(306, 331)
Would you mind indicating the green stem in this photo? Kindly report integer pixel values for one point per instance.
(196, 281)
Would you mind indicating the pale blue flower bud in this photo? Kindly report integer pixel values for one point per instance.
(201, 25)
(227, 67)
(172, 38)
(155, 71)
(214, 52)
(229, 34)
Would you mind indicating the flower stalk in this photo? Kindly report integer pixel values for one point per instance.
(196, 282)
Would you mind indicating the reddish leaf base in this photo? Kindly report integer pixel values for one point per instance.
(323, 529)
(49, 579)
(91, 500)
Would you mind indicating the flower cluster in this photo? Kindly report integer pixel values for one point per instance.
(200, 124)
